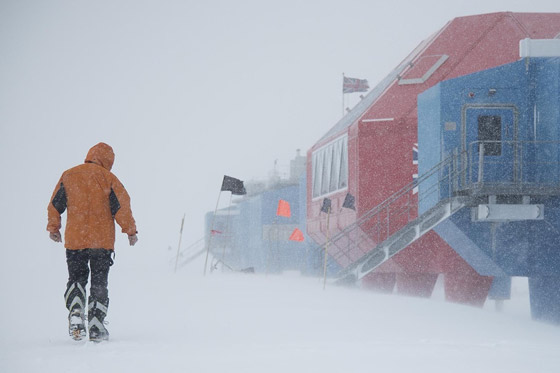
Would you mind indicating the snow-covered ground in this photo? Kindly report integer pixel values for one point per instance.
(232, 322)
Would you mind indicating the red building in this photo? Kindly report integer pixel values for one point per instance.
(369, 153)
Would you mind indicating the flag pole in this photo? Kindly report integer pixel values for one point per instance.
(342, 94)
(277, 239)
(179, 245)
(326, 250)
(270, 236)
(211, 229)
(227, 231)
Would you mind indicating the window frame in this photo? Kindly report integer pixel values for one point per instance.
(329, 165)
(490, 130)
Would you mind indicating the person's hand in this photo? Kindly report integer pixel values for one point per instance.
(132, 239)
(55, 236)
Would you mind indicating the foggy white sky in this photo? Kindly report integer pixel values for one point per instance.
(185, 92)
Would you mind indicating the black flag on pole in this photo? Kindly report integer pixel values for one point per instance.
(233, 185)
(349, 202)
(326, 205)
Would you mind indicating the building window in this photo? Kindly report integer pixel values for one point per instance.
(490, 132)
(330, 167)
(422, 69)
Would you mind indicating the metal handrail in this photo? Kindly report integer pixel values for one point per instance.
(382, 227)
(454, 177)
(530, 163)
(383, 205)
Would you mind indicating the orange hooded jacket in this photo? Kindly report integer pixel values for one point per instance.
(95, 198)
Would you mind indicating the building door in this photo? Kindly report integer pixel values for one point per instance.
(489, 143)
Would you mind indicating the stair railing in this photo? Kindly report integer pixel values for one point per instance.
(375, 226)
(470, 172)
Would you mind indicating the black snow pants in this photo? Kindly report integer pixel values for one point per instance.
(79, 264)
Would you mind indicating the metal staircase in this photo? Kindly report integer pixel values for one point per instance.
(402, 238)
(394, 224)
(463, 179)
(190, 253)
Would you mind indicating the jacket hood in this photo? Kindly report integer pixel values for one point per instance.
(101, 154)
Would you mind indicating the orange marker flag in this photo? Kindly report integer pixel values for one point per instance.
(297, 235)
(283, 209)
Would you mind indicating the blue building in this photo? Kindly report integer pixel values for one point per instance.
(493, 138)
(249, 234)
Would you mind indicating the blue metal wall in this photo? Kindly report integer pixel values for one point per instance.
(526, 96)
(254, 236)
(248, 231)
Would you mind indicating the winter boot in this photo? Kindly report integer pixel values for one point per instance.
(97, 312)
(75, 303)
(77, 325)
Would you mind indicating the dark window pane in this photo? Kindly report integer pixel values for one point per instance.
(490, 132)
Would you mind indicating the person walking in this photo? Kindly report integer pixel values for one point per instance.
(94, 198)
